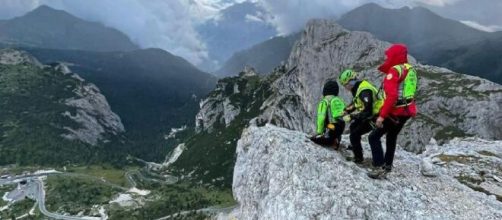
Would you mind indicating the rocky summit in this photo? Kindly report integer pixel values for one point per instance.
(280, 174)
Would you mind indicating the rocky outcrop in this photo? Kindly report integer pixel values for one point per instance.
(93, 114)
(224, 104)
(95, 121)
(16, 57)
(280, 174)
(450, 104)
(217, 108)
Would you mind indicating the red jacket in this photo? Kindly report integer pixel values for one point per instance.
(395, 55)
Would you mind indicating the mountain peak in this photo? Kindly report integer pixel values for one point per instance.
(45, 10)
(47, 27)
(378, 8)
(371, 5)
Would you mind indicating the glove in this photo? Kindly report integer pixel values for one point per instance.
(348, 109)
(331, 126)
(347, 118)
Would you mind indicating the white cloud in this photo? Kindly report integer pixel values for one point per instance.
(253, 18)
(438, 2)
(153, 23)
(169, 24)
(487, 28)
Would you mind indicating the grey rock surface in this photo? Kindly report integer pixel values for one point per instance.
(475, 162)
(280, 174)
(16, 57)
(93, 114)
(217, 108)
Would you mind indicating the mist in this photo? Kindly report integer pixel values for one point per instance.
(170, 25)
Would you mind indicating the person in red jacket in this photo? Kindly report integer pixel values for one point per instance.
(399, 87)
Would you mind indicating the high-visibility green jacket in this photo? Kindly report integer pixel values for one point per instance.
(329, 110)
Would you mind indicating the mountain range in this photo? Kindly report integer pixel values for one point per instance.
(432, 39)
(74, 105)
(151, 90)
(46, 27)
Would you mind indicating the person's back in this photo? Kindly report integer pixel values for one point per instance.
(399, 87)
(329, 122)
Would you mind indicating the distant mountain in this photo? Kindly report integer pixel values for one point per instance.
(431, 38)
(50, 116)
(45, 27)
(423, 30)
(264, 57)
(152, 91)
(479, 59)
(236, 28)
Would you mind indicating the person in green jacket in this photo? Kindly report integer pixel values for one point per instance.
(330, 124)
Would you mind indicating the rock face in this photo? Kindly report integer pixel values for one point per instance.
(224, 104)
(280, 174)
(217, 108)
(93, 114)
(16, 57)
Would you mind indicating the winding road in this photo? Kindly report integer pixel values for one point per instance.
(37, 192)
(40, 198)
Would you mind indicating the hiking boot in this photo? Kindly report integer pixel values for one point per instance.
(377, 173)
(387, 168)
(358, 160)
(336, 145)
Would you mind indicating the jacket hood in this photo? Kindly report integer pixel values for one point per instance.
(395, 55)
(330, 88)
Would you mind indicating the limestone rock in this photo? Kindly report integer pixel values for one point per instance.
(280, 174)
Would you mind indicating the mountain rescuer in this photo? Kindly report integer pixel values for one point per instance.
(399, 88)
(366, 106)
(330, 124)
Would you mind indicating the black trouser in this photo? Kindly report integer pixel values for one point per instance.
(357, 129)
(391, 127)
(329, 138)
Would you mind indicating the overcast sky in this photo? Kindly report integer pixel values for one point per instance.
(170, 24)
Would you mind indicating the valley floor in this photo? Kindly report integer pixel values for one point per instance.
(102, 192)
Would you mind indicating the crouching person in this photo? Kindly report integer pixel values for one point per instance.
(330, 125)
